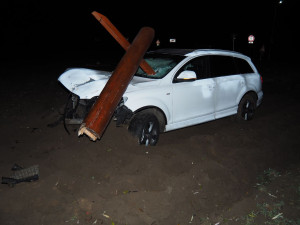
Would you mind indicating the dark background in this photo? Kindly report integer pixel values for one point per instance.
(80, 180)
(37, 29)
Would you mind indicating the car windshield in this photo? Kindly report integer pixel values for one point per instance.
(162, 64)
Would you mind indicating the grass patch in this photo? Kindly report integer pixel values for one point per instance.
(278, 199)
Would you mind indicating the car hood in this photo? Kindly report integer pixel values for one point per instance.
(87, 83)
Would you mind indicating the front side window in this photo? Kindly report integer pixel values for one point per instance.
(162, 64)
(198, 65)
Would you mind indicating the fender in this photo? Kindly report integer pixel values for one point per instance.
(243, 93)
(250, 87)
(135, 104)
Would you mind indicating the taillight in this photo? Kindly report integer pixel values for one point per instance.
(261, 79)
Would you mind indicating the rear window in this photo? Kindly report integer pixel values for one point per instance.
(162, 64)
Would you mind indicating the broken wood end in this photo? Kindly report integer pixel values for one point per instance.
(84, 130)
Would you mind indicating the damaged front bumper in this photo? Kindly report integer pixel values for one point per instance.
(76, 110)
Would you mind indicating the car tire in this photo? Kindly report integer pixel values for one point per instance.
(246, 108)
(145, 127)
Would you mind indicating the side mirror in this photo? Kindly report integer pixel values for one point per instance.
(187, 75)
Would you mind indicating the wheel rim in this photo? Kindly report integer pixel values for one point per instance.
(149, 134)
(248, 110)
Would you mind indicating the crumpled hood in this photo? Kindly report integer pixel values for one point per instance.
(87, 83)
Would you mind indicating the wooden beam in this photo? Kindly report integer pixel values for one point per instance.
(100, 114)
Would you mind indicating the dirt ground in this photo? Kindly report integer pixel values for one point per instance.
(221, 172)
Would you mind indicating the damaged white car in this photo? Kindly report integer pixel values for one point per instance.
(189, 87)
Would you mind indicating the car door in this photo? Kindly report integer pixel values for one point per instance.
(229, 84)
(193, 100)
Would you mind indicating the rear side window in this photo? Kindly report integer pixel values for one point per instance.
(243, 66)
(222, 66)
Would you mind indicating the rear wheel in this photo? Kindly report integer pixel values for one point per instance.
(246, 108)
(145, 127)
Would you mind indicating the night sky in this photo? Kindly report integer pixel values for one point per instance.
(38, 28)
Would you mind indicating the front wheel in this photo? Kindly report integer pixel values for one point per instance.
(246, 108)
(145, 127)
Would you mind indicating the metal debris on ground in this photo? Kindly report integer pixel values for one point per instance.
(21, 174)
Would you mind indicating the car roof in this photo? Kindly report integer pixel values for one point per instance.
(196, 52)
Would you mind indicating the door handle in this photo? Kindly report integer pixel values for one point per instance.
(211, 87)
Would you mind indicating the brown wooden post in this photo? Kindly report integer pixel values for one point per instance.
(120, 39)
(101, 112)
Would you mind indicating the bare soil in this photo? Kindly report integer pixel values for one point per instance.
(205, 174)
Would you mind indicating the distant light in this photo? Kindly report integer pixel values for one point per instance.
(280, 2)
(158, 42)
(251, 39)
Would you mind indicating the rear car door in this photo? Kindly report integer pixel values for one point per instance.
(229, 84)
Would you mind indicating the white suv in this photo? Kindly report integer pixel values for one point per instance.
(189, 87)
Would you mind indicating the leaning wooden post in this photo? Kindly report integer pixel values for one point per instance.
(100, 114)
